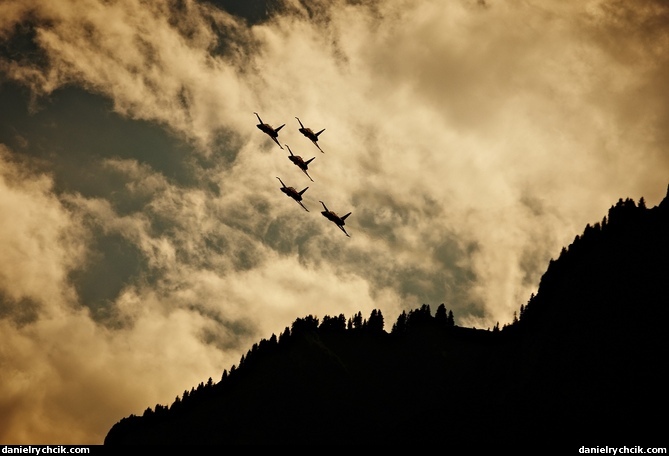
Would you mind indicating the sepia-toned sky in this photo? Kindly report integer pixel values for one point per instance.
(144, 242)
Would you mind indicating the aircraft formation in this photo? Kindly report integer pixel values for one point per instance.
(303, 164)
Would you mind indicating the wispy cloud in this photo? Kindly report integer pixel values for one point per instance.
(470, 140)
(40, 242)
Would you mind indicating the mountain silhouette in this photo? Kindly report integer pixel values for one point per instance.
(582, 365)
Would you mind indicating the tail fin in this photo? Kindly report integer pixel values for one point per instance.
(320, 132)
(279, 128)
(305, 189)
(344, 217)
(309, 161)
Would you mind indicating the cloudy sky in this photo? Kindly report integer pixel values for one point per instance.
(146, 245)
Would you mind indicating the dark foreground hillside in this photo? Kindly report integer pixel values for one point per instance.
(583, 365)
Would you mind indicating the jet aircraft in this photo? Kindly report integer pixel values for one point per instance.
(290, 191)
(309, 133)
(269, 130)
(299, 162)
(334, 218)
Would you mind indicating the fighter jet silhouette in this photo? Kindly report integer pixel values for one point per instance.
(308, 132)
(290, 191)
(267, 128)
(299, 162)
(334, 218)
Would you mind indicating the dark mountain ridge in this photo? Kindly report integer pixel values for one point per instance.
(582, 364)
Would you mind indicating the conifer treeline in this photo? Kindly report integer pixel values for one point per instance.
(595, 242)
(626, 236)
(416, 319)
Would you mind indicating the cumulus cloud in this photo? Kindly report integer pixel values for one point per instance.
(66, 379)
(65, 375)
(470, 140)
(39, 239)
(155, 61)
